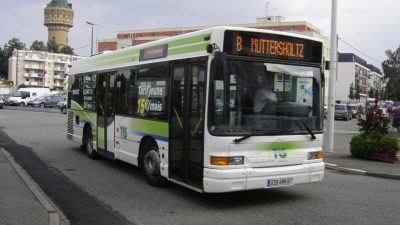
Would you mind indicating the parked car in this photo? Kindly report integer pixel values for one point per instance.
(354, 109)
(46, 101)
(23, 95)
(62, 105)
(342, 111)
(36, 100)
(1, 103)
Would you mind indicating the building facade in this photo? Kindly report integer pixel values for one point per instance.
(40, 69)
(58, 18)
(354, 71)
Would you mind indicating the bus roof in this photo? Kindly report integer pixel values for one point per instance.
(178, 47)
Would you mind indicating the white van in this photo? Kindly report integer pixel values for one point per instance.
(23, 95)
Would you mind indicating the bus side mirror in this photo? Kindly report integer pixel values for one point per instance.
(219, 67)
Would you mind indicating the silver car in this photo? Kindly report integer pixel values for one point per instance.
(342, 111)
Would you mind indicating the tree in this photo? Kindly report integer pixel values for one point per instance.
(38, 46)
(371, 93)
(391, 70)
(376, 94)
(357, 92)
(351, 92)
(6, 53)
(8, 83)
(67, 50)
(3, 73)
(52, 46)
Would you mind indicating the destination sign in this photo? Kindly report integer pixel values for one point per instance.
(156, 52)
(272, 46)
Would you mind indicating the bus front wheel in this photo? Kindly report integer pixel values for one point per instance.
(150, 164)
(88, 144)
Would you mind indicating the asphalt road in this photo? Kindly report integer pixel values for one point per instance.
(112, 192)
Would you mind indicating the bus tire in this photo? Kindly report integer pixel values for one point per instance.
(150, 164)
(88, 144)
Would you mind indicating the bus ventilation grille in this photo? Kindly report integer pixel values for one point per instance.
(70, 123)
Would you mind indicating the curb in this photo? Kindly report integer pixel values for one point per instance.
(360, 172)
(33, 109)
(53, 216)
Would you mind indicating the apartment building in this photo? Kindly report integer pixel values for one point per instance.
(355, 71)
(40, 69)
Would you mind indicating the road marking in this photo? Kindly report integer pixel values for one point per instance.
(2, 117)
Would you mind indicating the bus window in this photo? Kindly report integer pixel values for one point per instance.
(151, 98)
(125, 88)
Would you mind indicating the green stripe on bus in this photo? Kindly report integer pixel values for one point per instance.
(83, 115)
(187, 41)
(124, 57)
(188, 49)
(150, 127)
(171, 52)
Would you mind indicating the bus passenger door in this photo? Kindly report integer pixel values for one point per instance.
(105, 112)
(187, 124)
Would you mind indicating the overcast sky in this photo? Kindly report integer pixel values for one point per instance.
(370, 26)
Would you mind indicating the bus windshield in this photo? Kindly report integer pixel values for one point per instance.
(264, 98)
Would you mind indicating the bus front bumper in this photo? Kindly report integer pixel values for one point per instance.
(217, 180)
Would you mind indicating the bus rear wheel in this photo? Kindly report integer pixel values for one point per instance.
(88, 144)
(150, 164)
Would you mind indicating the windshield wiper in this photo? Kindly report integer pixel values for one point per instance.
(246, 136)
(238, 140)
(308, 129)
(297, 120)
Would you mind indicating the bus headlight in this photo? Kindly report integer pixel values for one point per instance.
(315, 155)
(225, 161)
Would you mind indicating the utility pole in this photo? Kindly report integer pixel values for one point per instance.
(332, 81)
(16, 72)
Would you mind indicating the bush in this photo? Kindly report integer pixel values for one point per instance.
(373, 123)
(374, 146)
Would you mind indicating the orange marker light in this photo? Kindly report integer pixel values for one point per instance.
(319, 155)
(219, 161)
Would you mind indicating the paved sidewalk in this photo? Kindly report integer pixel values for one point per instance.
(342, 160)
(21, 201)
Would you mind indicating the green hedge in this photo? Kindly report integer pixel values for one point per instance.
(374, 146)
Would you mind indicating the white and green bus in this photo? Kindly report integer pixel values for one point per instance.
(193, 109)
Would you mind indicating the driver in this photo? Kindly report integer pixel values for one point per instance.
(264, 94)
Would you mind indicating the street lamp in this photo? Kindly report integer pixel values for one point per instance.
(91, 44)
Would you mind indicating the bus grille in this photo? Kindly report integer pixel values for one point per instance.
(70, 124)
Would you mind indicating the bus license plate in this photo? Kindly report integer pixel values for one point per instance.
(278, 182)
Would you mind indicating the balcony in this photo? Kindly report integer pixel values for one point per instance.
(58, 84)
(59, 77)
(58, 68)
(61, 61)
(34, 83)
(34, 58)
(34, 75)
(34, 66)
